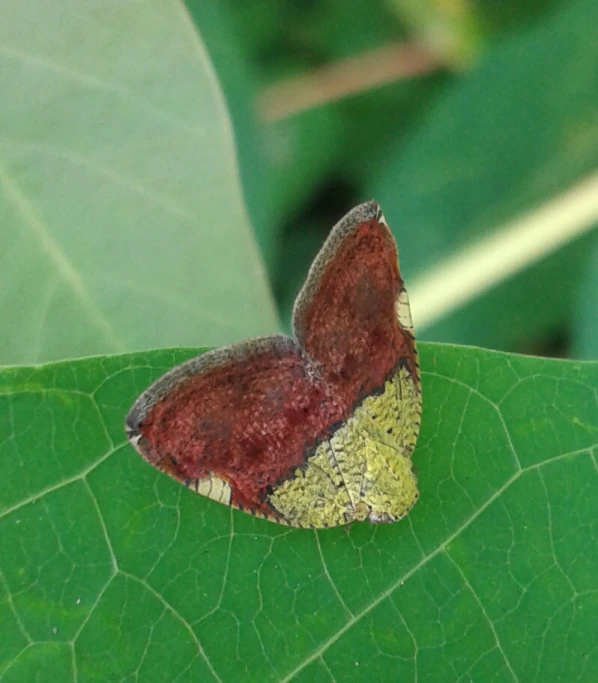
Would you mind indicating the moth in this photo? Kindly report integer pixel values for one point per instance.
(314, 430)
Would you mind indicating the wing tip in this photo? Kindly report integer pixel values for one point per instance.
(362, 213)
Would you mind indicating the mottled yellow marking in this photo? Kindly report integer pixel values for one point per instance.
(315, 496)
(364, 470)
(213, 487)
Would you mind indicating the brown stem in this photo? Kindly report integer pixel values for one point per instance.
(386, 64)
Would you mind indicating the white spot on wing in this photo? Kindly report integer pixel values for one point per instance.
(382, 220)
(215, 488)
(134, 441)
(404, 310)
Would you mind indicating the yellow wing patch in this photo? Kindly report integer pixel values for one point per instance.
(364, 470)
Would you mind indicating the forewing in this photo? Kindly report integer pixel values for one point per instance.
(353, 321)
(234, 422)
(352, 316)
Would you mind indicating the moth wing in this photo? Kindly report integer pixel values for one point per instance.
(352, 316)
(232, 423)
(353, 321)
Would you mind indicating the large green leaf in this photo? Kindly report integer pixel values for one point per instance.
(123, 225)
(112, 571)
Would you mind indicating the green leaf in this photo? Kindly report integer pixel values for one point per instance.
(123, 221)
(508, 135)
(585, 320)
(110, 570)
(517, 130)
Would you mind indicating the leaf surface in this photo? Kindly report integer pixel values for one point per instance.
(123, 221)
(115, 571)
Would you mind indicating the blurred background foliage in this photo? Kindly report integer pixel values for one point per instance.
(468, 120)
(501, 118)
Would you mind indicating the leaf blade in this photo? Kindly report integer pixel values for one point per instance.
(126, 223)
(491, 531)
